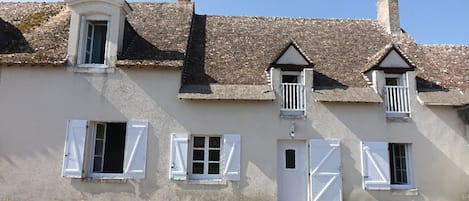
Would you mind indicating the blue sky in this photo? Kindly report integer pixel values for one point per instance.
(428, 21)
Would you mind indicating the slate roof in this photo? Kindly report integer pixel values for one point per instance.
(219, 52)
(156, 34)
(238, 50)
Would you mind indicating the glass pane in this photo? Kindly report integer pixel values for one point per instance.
(197, 168)
(290, 158)
(214, 168)
(99, 42)
(199, 142)
(290, 79)
(98, 147)
(100, 131)
(392, 81)
(214, 155)
(198, 155)
(214, 142)
(97, 164)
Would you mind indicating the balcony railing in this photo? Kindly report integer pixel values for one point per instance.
(397, 99)
(293, 97)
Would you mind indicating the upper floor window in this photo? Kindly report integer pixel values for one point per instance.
(95, 42)
(293, 95)
(396, 94)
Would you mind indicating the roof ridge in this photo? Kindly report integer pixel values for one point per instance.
(286, 18)
(443, 45)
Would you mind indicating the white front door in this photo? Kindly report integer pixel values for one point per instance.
(292, 169)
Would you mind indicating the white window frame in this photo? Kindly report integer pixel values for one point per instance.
(83, 35)
(286, 110)
(300, 75)
(78, 150)
(402, 78)
(205, 175)
(92, 141)
(376, 166)
(409, 171)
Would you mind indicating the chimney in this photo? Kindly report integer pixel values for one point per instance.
(184, 1)
(388, 15)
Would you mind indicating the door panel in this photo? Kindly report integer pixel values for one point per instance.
(292, 171)
(325, 171)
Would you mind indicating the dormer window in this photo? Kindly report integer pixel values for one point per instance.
(95, 42)
(293, 100)
(96, 34)
(396, 95)
(393, 77)
(291, 77)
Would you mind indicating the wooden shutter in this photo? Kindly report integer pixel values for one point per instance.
(74, 149)
(375, 166)
(232, 156)
(135, 149)
(178, 158)
(325, 171)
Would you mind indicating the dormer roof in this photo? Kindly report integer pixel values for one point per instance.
(292, 58)
(146, 34)
(390, 59)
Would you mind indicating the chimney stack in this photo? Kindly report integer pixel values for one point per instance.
(184, 1)
(388, 15)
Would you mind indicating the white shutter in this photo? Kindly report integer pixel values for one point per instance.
(375, 166)
(325, 171)
(74, 149)
(232, 156)
(135, 149)
(178, 163)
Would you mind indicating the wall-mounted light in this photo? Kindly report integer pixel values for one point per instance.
(292, 129)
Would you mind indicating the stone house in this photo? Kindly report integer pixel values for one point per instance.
(150, 101)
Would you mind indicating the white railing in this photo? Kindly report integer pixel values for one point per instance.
(397, 99)
(293, 97)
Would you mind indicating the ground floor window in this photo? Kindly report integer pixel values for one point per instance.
(386, 165)
(106, 150)
(205, 157)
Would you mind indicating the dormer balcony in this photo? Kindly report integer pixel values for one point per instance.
(293, 100)
(397, 101)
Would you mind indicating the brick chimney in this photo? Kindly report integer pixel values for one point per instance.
(184, 1)
(388, 15)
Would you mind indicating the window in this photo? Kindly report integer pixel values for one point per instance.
(208, 157)
(293, 100)
(290, 161)
(108, 148)
(105, 149)
(386, 166)
(396, 96)
(95, 42)
(399, 163)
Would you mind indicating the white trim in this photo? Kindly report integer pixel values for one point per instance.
(206, 149)
(82, 39)
(410, 181)
(91, 151)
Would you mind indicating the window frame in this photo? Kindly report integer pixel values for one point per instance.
(401, 79)
(408, 160)
(205, 175)
(83, 36)
(90, 152)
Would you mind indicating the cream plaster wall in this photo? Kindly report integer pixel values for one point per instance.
(36, 102)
